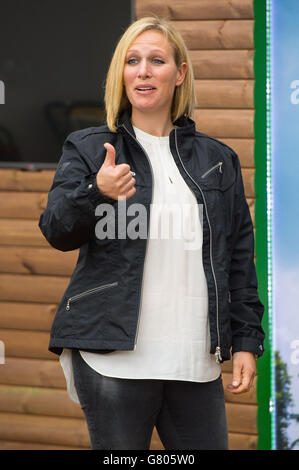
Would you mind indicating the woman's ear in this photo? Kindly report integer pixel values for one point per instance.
(181, 73)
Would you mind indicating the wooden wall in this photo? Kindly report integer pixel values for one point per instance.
(35, 411)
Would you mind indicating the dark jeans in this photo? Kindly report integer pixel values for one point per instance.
(121, 413)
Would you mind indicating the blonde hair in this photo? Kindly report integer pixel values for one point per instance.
(116, 99)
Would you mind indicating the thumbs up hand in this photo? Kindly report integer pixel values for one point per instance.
(115, 181)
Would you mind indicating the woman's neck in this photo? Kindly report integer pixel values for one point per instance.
(152, 124)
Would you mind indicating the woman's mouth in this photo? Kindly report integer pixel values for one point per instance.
(145, 90)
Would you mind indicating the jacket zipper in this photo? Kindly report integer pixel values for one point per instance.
(87, 292)
(218, 348)
(218, 165)
(151, 168)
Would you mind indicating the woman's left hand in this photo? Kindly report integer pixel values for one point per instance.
(244, 372)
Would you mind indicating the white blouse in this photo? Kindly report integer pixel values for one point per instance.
(173, 341)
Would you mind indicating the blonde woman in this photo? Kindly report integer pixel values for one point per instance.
(149, 315)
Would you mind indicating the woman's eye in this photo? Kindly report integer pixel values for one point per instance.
(134, 61)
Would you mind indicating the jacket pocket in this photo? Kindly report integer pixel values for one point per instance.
(218, 167)
(219, 176)
(81, 296)
(89, 311)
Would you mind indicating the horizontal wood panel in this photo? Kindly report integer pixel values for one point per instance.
(242, 441)
(49, 374)
(28, 260)
(30, 344)
(44, 429)
(236, 442)
(35, 372)
(38, 401)
(22, 205)
(21, 232)
(244, 148)
(224, 94)
(227, 366)
(222, 64)
(14, 445)
(221, 123)
(195, 10)
(18, 180)
(248, 181)
(241, 418)
(15, 232)
(54, 402)
(17, 287)
(27, 315)
(220, 34)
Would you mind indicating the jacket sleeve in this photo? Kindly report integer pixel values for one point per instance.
(246, 309)
(69, 218)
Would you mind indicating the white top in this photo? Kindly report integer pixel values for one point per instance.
(173, 340)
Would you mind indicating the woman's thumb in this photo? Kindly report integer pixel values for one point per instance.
(237, 374)
(110, 155)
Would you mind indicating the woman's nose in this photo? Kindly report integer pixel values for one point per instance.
(144, 69)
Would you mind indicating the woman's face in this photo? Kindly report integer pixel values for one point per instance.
(150, 73)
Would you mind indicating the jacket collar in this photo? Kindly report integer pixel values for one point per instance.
(185, 125)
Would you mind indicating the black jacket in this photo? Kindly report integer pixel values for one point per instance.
(100, 308)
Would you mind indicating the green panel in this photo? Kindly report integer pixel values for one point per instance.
(262, 236)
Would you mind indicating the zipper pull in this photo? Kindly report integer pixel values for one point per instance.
(68, 305)
(220, 167)
(218, 355)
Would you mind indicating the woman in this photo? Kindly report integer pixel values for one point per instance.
(147, 319)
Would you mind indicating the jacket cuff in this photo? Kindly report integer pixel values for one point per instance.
(242, 343)
(95, 196)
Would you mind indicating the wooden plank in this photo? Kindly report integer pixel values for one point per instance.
(32, 288)
(30, 344)
(227, 366)
(45, 373)
(244, 148)
(44, 429)
(14, 445)
(241, 418)
(32, 372)
(29, 260)
(27, 316)
(19, 180)
(236, 442)
(219, 34)
(248, 180)
(224, 94)
(38, 401)
(195, 10)
(227, 64)
(222, 123)
(242, 441)
(22, 205)
(21, 232)
(56, 402)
